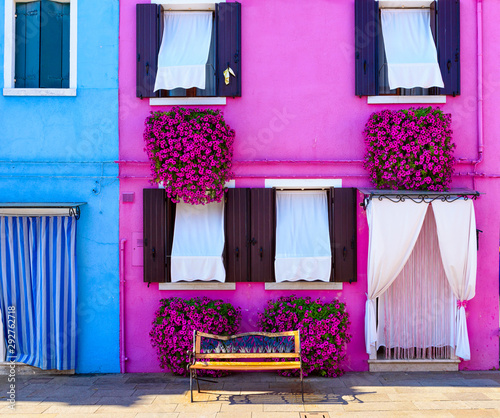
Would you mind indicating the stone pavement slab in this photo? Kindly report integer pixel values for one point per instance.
(257, 395)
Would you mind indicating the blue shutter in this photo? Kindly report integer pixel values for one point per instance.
(27, 68)
(51, 44)
(148, 46)
(448, 44)
(366, 43)
(228, 22)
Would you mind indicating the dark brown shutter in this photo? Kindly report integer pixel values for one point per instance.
(343, 230)
(228, 21)
(158, 224)
(148, 45)
(448, 44)
(433, 20)
(237, 235)
(366, 42)
(262, 234)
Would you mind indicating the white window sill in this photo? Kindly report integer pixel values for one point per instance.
(196, 101)
(40, 92)
(197, 286)
(405, 99)
(304, 286)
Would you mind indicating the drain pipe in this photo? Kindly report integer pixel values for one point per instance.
(123, 358)
(480, 124)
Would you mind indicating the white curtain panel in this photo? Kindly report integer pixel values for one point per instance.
(198, 242)
(416, 315)
(3, 348)
(456, 229)
(410, 49)
(393, 231)
(184, 50)
(303, 249)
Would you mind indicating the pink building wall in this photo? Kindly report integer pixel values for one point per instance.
(298, 107)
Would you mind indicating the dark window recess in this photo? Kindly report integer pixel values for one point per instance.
(42, 44)
(225, 50)
(371, 63)
(158, 235)
(383, 79)
(343, 232)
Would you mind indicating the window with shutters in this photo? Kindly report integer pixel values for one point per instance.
(40, 47)
(188, 54)
(250, 225)
(407, 48)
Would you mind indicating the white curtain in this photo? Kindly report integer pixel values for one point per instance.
(3, 349)
(303, 249)
(456, 229)
(184, 50)
(416, 315)
(198, 242)
(410, 49)
(393, 231)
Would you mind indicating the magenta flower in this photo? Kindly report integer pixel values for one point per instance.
(191, 152)
(410, 142)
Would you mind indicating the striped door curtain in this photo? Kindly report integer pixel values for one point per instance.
(38, 277)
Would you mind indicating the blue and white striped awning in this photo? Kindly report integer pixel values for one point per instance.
(41, 209)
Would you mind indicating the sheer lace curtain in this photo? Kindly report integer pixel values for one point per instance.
(184, 50)
(416, 315)
(410, 49)
(456, 230)
(303, 249)
(198, 242)
(393, 231)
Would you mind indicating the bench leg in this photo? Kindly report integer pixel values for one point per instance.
(197, 380)
(302, 384)
(191, 384)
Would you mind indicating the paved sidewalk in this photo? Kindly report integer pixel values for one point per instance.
(257, 395)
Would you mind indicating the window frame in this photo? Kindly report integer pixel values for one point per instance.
(186, 5)
(10, 54)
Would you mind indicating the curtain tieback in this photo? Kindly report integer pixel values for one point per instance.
(462, 304)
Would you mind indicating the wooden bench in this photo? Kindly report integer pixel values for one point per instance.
(251, 351)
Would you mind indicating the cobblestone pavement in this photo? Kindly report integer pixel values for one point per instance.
(256, 395)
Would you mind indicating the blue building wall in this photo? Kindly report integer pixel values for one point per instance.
(62, 149)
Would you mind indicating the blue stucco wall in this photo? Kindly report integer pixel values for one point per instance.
(62, 149)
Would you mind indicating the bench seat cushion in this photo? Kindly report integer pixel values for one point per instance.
(245, 365)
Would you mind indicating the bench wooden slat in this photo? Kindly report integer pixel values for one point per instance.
(247, 355)
(246, 334)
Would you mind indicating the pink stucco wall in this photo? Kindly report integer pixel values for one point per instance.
(298, 104)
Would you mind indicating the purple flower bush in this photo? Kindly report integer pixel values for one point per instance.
(410, 149)
(176, 319)
(191, 152)
(323, 331)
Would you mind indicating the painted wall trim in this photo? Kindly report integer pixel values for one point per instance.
(10, 51)
(405, 99)
(304, 286)
(40, 92)
(173, 101)
(303, 183)
(197, 286)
